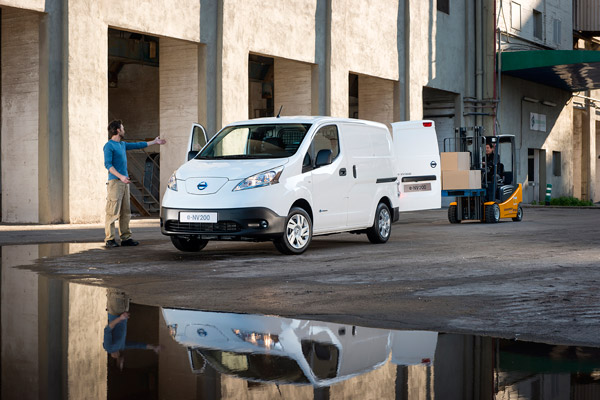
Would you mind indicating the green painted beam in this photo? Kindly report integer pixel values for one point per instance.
(516, 60)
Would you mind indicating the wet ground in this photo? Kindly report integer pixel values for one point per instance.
(535, 280)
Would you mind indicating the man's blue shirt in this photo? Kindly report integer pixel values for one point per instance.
(115, 156)
(115, 339)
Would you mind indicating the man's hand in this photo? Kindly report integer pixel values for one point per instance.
(158, 140)
(124, 179)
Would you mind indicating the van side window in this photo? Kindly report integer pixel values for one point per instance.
(326, 138)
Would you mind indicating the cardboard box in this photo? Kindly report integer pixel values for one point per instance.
(452, 161)
(456, 180)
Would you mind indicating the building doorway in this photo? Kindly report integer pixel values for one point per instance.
(133, 97)
(535, 188)
(261, 86)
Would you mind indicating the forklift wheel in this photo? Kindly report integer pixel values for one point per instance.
(519, 216)
(453, 215)
(492, 213)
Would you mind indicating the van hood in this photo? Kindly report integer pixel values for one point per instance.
(230, 169)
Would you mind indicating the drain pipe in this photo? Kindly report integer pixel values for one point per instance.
(478, 55)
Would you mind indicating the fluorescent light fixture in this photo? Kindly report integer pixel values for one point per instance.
(548, 103)
(530, 100)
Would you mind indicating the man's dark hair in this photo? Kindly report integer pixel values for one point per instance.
(113, 127)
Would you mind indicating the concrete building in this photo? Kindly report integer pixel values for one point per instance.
(68, 67)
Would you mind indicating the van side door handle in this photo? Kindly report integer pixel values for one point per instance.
(354, 170)
(342, 171)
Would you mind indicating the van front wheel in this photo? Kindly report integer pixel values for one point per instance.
(382, 226)
(297, 234)
(188, 243)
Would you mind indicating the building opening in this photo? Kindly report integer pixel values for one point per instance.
(133, 97)
(261, 86)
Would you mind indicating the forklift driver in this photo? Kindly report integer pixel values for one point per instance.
(489, 164)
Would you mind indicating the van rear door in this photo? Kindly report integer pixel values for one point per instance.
(418, 162)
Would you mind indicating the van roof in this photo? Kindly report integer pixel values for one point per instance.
(305, 120)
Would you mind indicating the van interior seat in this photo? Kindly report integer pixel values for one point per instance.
(324, 157)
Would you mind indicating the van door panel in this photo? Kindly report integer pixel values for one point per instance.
(418, 161)
(359, 148)
(329, 184)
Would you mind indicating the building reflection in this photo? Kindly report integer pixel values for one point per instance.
(52, 335)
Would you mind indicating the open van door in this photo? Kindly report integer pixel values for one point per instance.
(418, 161)
(197, 141)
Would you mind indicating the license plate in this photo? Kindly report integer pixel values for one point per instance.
(417, 187)
(198, 217)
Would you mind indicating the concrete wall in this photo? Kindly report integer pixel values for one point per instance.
(551, 10)
(364, 41)
(33, 5)
(514, 115)
(86, 361)
(178, 76)
(293, 87)
(19, 313)
(20, 115)
(284, 29)
(376, 99)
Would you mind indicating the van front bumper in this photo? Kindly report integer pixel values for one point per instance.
(253, 223)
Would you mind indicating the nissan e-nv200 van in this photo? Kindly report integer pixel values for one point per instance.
(284, 179)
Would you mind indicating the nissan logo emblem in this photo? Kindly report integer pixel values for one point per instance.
(202, 185)
(433, 164)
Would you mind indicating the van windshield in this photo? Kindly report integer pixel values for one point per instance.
(255, 141)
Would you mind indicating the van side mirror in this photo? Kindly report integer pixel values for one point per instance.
(324, 157)
(192, 154)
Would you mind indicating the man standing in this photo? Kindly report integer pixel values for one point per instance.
(117, 200)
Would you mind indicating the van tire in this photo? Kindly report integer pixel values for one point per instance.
(381, 230)
(188, 243)
(297, 233)
(453, 214)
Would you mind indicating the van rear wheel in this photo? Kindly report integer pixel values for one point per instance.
(382, 226)
(297, 234)
(188, 243)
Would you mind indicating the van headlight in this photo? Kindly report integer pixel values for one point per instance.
(264, 178)
(172, 183)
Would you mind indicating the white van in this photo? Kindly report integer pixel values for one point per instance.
(284, 179)
(271, 349)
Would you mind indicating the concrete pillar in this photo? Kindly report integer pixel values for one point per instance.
(293, 87)
(232, 94)
(20, 115)
(85, 112)
(375, 99)
(178, 76)
(86, 362)
(19, 322)
(588, 153)
(50, 149)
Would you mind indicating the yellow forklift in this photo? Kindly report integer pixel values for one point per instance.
(500, 195)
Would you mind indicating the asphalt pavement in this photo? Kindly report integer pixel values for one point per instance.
(532, 280)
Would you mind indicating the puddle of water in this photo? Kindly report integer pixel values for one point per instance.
(55, 344)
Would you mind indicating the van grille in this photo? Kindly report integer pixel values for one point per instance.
(194, 227)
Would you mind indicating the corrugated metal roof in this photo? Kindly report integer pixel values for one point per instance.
(586, 15)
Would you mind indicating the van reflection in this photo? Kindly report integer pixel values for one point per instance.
(280, 350)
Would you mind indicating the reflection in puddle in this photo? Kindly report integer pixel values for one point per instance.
(52, 338)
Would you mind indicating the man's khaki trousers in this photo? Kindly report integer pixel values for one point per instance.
(117, 208)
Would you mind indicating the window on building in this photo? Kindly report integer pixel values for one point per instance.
(538, 25)
(443, 6)
(556, 27)
(515, 16)
(556, 163)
